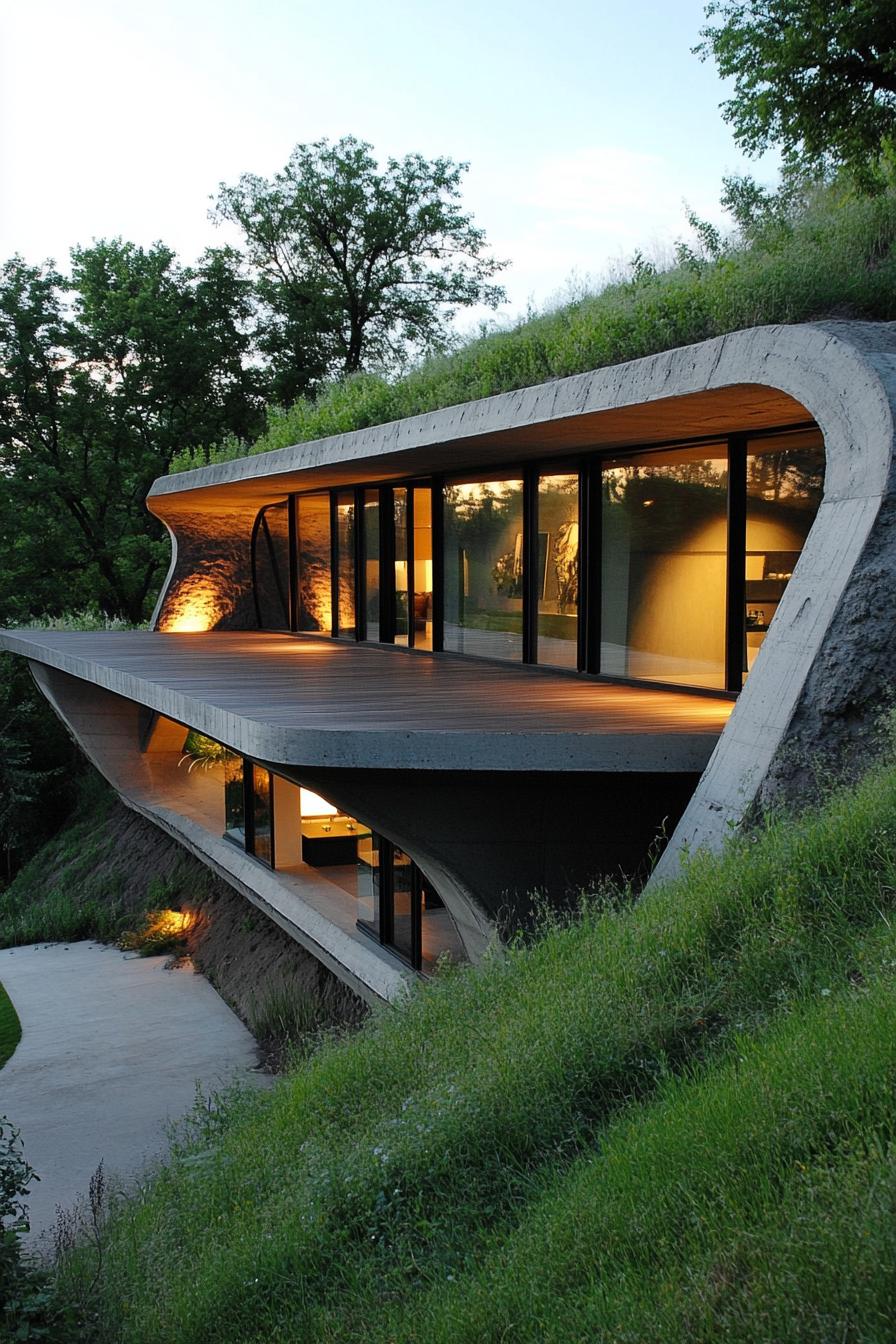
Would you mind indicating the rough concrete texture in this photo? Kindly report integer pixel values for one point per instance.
(209, 583)
(113, 1047)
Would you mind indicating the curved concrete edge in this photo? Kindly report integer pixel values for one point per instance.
(369, 972)
(374, 748)
(853, 398)
(169, 577)
(722, 361)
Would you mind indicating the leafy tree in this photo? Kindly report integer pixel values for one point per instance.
(357, 267)
(102, 378)
(817, 77)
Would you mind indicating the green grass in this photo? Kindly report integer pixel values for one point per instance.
(836, 259)
(10, 1027)
(668, 1120)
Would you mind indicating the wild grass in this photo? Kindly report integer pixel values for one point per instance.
(70, 889)
(666, 1120)
(10, 1027)
(835, 258)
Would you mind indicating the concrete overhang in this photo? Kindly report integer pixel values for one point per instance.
(550, 421)
(316, 703)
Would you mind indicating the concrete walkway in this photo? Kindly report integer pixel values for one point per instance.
(112, 1047)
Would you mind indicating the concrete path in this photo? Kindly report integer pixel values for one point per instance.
(112, 1047)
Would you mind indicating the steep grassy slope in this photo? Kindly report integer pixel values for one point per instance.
(836, 259)
(669, 1120)
(10, 1027)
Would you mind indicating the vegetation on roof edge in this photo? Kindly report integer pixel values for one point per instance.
(825, 252)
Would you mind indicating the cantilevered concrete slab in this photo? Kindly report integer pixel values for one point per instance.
(313, 702)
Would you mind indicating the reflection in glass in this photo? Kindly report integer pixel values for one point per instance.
(262, 818)
(403, 904)
(664, 566)
(345, 550)
(234, 799)
(785, 480)
(313, 534)
(400, 498)
(484, 568)
(272, 567)
(422, 568)
(558, 570)
(370, 882)
(372, 561)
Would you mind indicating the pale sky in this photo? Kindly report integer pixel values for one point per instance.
(586, 124)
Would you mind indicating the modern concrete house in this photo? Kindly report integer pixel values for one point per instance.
(401, 680)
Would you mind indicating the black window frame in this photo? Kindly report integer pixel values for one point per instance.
(589, 466)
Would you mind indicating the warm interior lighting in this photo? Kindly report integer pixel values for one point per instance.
(312, 805)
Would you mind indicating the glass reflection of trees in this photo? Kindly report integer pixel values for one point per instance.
(483, 523)
(664, 566)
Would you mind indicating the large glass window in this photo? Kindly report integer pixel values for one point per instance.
(271, 567)
(785, 480)
(372, 561)
(370, 884)
(345, 551)
(234, 799)
(313, 540)
(262, 815)
(557, 579)
(484, 568)
(422, 553)
(400, 505)
(664, 561)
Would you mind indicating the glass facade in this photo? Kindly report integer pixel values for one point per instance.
(262, 815)
(664, 566)
(785, 479)
(557, 577)
(483, 563)
(345, 563)
(401, 534)
(314, 564)
(271, 567)
(371, 591)
(234, 799)
(422, 564)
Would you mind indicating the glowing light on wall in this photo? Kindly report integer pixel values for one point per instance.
(196, 606)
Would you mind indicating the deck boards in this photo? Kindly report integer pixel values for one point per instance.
(303, 682)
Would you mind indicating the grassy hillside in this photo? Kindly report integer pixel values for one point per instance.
(10, 1027)
(668, 1120)
(835, 258)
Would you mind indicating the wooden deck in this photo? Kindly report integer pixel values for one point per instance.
(299, 688)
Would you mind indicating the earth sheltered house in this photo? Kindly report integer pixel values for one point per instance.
(402, 679)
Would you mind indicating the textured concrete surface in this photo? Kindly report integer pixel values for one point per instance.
(112, 1048)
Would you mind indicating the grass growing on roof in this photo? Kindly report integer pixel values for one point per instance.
(835, 258)
(661, 1121)
(10, 1027)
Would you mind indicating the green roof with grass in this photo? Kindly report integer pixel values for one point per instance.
(827, 251)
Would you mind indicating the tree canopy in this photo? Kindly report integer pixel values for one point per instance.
(357, 267)
(816, 77)
(102, 378)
